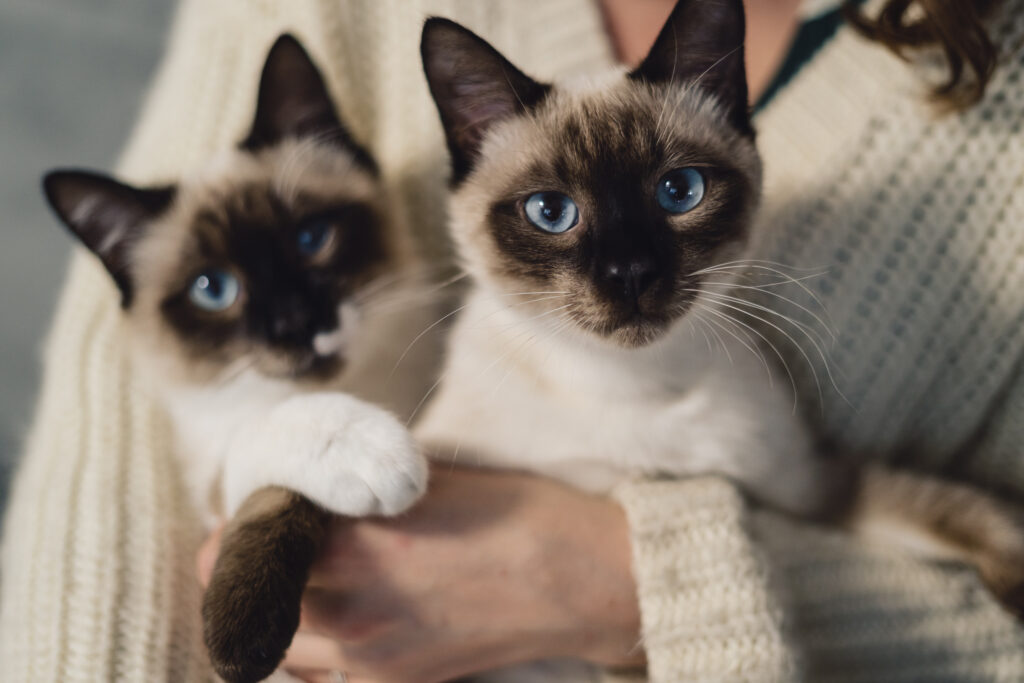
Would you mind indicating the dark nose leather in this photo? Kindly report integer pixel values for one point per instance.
(632, 278)
(290, 322)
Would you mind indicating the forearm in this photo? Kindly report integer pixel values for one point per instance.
(729, 593)
(710, 610)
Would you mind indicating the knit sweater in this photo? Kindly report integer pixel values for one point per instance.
(918, 218)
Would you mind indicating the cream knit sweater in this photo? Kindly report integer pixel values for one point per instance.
(920, 218)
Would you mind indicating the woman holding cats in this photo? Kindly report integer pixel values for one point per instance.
(835, 140)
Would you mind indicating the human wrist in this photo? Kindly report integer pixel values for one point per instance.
(585, 556)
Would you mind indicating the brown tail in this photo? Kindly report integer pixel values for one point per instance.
(945, 520)
(251, 607)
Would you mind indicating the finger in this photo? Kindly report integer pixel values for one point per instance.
(311, 652)
(324, 611)
(207, 555)
(339, 560)
(344, 616)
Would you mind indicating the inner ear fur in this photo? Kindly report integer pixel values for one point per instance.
(293, 101)
(474, 86)
(107, 216)
(702, 43)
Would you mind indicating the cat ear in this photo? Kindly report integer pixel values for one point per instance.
(474, 87)
(293, 102)
(108, 217)
(702, 42)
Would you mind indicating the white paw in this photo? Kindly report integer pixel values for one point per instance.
(344, 454)
(373, 477)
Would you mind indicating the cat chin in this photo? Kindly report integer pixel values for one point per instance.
(638, 335)
(634, 334)
(311, 371)
(631, 332)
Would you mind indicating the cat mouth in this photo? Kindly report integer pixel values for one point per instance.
(316, 366)
(633, 329)
(642, 325)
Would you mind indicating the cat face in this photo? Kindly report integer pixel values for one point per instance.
(258, 261)
(617, 194)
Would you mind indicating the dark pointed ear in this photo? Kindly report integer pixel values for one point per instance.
(108, 217)
(474, 87)
(702, 42)
(293, 102)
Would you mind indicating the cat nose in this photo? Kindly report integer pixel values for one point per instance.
(290, 323)
(633, 278)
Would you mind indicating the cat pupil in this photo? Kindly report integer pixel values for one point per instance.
(311, 239)
(552, 213)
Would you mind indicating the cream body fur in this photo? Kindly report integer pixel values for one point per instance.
(523, 394)
(339, 443)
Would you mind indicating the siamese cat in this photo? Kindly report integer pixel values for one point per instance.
(592, 218)
(267, 299)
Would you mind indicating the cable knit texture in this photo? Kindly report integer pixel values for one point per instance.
(918, 217)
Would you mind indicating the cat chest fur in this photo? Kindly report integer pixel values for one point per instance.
(518, 394)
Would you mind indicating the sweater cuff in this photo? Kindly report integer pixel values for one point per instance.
(708, 609)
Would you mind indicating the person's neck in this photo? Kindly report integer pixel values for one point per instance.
(771, 24)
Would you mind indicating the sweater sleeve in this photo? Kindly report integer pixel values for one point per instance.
(731, 593)
(98, 551)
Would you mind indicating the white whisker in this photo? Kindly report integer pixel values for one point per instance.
(717, 337)
(763, 262)
(752, 347)
(775, 350)
(803, 352)
(781, 274)
(420, 336)
(807, 329)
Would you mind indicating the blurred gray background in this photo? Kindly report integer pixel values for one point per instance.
(72, 76)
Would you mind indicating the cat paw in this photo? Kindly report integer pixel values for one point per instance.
(251, 607)
(349, 456)
(373, 481)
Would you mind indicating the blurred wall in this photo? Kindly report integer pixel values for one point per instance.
(72, 75)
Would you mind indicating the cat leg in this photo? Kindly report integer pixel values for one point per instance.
(311, 456)
(350, 457)
(251, 607)
(944, 520)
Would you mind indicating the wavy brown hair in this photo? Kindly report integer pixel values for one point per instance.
(954, 26)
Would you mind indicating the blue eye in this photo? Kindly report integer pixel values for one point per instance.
(552, 211)
(314, 236)
(214, 290)
(680, 190)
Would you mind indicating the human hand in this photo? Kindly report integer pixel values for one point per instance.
(488, 570)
